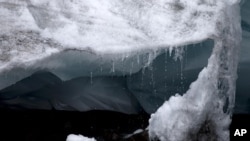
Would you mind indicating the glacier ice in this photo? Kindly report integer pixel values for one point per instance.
(204, 111)
(127, 38)
(73, 137)
(33, 30)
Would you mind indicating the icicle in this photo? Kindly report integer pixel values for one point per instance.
(113, 67)
(91, 78)
(165, 70)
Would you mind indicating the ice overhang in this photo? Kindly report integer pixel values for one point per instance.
(116, 36)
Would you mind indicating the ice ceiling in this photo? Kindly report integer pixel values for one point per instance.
(33, 30)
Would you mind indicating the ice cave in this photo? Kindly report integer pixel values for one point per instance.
(181, 64)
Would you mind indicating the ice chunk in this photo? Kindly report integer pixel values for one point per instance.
(32, 31)
(73, 137)
(204, 111)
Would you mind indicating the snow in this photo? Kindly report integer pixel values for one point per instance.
(125, 25)
(73, 137)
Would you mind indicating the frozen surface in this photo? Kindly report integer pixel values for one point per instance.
(73, 137)
(33, 32)
(118, 26)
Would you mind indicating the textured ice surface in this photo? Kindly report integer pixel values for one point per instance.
(118, 26)
(203, 112)
(107, 32)
(120, 38)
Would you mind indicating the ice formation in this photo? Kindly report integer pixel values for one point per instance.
(115, 38)
(204, 111)
(73, 137)
(95, 37)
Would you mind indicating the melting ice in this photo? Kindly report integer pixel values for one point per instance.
(204, 111)
(94, 37)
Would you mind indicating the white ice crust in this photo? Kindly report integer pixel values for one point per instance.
(32, 30)
(112, 26)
